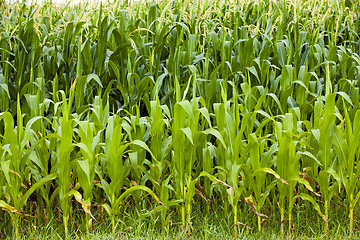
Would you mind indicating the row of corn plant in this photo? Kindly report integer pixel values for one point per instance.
(247, 105)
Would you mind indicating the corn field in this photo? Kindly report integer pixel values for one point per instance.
(167, 105)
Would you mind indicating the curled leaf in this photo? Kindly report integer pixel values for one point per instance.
(249, 200)
(242, 224)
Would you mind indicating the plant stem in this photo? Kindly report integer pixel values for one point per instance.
(235, 219)
(326, 216)
(65, 219)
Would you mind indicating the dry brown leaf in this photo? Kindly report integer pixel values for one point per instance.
(242, 224)
(253, 207)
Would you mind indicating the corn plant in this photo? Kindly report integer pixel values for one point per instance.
(15, 155)
(346, 144)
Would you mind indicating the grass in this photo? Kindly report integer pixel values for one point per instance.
(216, 225)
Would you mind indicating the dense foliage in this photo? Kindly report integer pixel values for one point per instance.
(164, 105)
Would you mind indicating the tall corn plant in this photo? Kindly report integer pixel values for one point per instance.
(188, 141)
(117, 166)
(63, 155)
(85, 169)
(113, 166)
(325, 136)
(346, 144)
(15, 156)
(288, 166)
(158, 167)
(184, 128)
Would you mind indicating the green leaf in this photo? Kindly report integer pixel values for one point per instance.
(144, 146)
(132, 189)
(37, 185)
(216, 134)
(187, 132)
